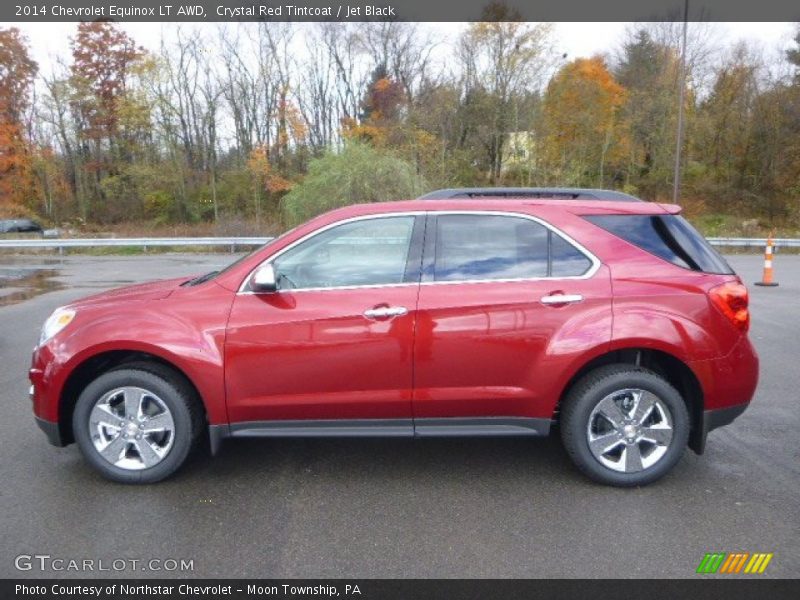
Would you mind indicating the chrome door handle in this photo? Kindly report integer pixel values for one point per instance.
(562, 299)
(385, 312)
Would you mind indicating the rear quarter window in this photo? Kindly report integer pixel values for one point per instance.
(670, 237)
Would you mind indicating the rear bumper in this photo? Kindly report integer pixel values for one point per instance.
(711, 420)
(723, 416)
(52, 431)
(728, 385)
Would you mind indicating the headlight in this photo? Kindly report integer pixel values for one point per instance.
(60, 318)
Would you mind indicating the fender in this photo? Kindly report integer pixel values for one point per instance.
(652, 327)
(189, 334)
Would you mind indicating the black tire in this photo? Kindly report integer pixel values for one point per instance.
(585, 395)
(172, 389)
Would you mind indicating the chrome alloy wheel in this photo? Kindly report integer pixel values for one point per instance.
(629, 430)
(131, 428)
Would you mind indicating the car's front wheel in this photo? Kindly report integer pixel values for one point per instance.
(137, 423)
(624, 425)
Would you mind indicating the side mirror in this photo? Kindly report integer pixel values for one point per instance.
(264, 279)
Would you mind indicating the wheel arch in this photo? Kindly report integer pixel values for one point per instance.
(93, 366)
(673, 369)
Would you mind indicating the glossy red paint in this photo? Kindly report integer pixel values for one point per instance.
(312, 354)
(184, 326)
(493, 349)
(463, 349)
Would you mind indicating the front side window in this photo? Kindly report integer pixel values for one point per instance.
(366, 252)
(486, 247)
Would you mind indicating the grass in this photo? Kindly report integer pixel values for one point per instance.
(724, 225)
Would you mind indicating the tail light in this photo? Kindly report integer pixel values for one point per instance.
(731, 299)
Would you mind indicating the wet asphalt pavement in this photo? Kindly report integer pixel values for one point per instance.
(395, 507)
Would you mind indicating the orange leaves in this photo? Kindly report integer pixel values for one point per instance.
(263, 175)
(583, 97)
(17, 71)
(383, 102)
(295, 125)
(581, 112)
(16, 175)
(381, 120)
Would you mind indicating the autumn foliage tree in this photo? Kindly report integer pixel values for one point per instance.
(584, 138)
(17, 71)
(266, 182)
(109, 117)
(380, 118)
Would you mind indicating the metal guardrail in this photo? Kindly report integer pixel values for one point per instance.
(754, 242)
(61, 244)
(237, 242)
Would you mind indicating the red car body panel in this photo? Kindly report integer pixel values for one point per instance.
(463, 349)
(313, 355)
(493, 349)
(182, 325)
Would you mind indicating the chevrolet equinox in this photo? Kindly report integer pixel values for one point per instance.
(453, 315)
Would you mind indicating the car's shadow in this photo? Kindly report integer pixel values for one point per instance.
(442, 459)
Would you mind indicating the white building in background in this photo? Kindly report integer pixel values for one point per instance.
(520, 150)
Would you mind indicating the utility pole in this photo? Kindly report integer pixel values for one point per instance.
(676, 178)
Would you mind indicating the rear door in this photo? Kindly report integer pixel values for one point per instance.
(506, 306)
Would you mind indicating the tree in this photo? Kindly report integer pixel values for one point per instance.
(104, 59)
(380, 112)
(502, 60)
(264, 179)
(17, 71)
(111, 119)
(357, 174)
(582, 130)
(725, 120)
(648, 70)
(398, 50)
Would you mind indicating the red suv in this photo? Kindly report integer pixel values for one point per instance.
(608, 317)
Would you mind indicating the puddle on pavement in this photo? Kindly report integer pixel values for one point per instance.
(18, 285)
(24, 260)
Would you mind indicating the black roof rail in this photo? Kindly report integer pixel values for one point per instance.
(559, 193)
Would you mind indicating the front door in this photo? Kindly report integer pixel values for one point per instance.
(335, 341)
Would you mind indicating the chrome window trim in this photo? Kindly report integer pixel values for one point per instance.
(496, 213)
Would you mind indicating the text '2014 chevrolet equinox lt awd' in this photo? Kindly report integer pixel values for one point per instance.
(447, 317)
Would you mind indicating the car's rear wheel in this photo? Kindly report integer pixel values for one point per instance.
(624, 425)
(137, 424)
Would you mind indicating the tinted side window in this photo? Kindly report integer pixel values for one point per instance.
(669, 237)
(566, 259)
(482, 247)
(367, 252)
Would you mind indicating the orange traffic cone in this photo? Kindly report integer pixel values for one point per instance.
(766, 278)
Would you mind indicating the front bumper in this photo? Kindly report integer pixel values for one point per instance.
(50, 428)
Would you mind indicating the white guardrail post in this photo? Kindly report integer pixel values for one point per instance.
(234, 243)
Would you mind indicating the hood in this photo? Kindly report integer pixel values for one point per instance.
(154, 290)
